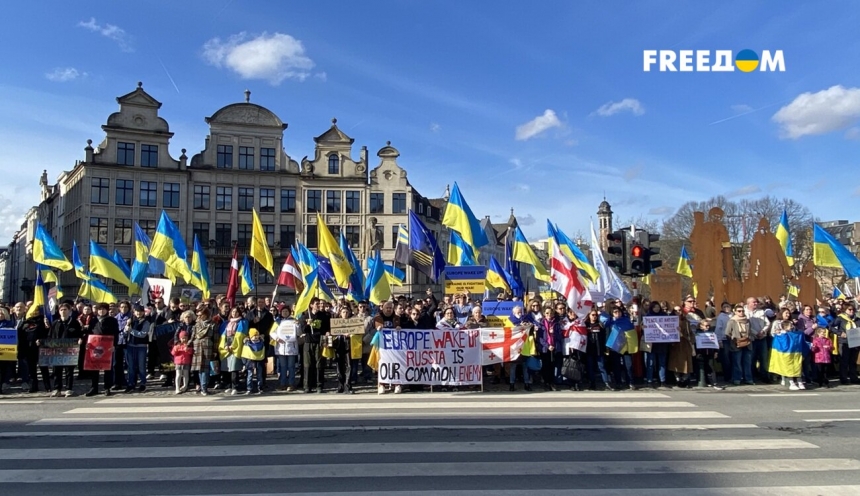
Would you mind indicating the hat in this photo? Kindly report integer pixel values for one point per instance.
(137, 308)
(768, 313)
(254, 333)
(281, 306)
(183, 334)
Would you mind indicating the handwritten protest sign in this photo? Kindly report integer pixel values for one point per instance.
(99, 353)
(287, 330)
(434, 357)
(663, 329)
(340, 327)
(8, 344)
(59, 353)
(707, 341)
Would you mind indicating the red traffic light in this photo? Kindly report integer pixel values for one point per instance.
(636, 251)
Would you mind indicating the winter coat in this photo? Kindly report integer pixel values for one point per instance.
(289, 347)
(203, 342)
(138, 334)
(681, 353)
(69, 329)
(182, 354)
(842, 323)
(122, 320)
(550, 334)
(821, 348)
(738, 328)
(807, 325)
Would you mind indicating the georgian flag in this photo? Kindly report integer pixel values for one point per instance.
(500, 345)
(575, 337)
(565, 279)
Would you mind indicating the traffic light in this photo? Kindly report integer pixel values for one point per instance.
(646, 252)
(638, 260)
(652, 252)
(617, 251)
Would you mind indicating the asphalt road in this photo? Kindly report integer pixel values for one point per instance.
(759, 440)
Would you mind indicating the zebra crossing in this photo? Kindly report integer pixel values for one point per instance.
(597, 443)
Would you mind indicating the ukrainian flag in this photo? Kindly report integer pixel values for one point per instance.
(308, 267)
(330, 249)
(793, 290)
(80, 270)
(140, 266)
(121, 263)
(459, 217)
(355, 291)
(200, 269)
(786, 354)
(574, 254)
(103, 264)
(522, 252)
(496, 275)
(459, 252)
(839, 295)
(47, 274)
(684, 267)
(784, 237)
(827, 252)
(377, 288)
(46, 252)
(40, 300)
(168, 246)
(246, 277)
(396, 277)
(95, 290)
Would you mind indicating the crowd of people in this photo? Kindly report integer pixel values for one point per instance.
(214, 347)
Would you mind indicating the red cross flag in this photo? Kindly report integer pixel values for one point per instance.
(501, 344)
(566, 280)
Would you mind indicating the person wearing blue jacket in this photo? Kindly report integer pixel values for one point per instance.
(622, 363)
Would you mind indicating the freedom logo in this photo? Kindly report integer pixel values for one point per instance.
(719, 61)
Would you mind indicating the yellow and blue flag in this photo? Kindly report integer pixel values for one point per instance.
(40, 300)
(96, 291)
(329, 248)
(572, 251)
(103, 264)
(401, 248)
(459, 217)
(246, 276)
(794, 290)
(496, 275)
(260, 245)
(395, 275)
(308, 267)
(784, 237)
(838, 294)
(512, 271)
(355, 291)
(47, 274)
(684, 267)
(828, 252)
(423, 252)
(459, 252)
(46, 251)
(377, 288)
(140, 265)
(786, 354)
(169, 247)
(121, 263)
(80, 270)
(523, 252)
(200, 269)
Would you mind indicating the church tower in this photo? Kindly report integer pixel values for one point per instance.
(604, 219)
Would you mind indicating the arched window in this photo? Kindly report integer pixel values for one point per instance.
(333, 164)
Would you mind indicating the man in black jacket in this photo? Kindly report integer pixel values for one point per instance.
(64, 327)
(843, 323)
(317, 326)
(104, 326)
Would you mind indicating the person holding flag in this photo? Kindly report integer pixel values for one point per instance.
(64, 327)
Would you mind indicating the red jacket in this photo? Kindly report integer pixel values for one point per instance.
(182, 354)
(822, 348)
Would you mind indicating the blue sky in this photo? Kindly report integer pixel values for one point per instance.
(539, 106)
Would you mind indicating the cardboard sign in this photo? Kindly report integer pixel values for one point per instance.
(707, 341)
(59, 353)
(8, 344)
(430, 356)
(466, 279)
(99, 353)
(663, 329)
(190, 295)
(341, 327)
(154, 288)
(287, 330)
(853, 337)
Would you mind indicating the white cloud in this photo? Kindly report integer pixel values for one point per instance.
(526, 220)
(272, 58)
(434, 127)
(537, 125)
(524, 188)
(853, 134)
(627, 105)
(741, 108)
(818, 113)
(661, 211)
(746, 190)
(64, 74)
(633, 172)
(110, 31)
(11, 217)
(322, 76)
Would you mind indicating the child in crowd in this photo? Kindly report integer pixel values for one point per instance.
(182, 352)
(254, 358)
(822, 347)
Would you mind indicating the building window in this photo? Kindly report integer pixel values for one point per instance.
(225, 156)
(99, 230)
(353, 236)
(201, 196)
(246, 199)
(124, 153)
(335, 232)
(395, 230)
(420, 208)
(223, 235)
(171, 195)
(149, 155)
(246, 157)
(244, 235)
(201, 230)
(124, 192)
(223, 198)
(288, 200)
(99, 194)
(398, 203)
(353, 202)
(264, 277)
(314, 203)
(148, 193)
(222, 273)
(288, 236)
(377, 203)
(122, 232)
(267, 200)
(148, 227)
(333, 164)
(267, 159)
(332, 202)
(270, 234)
(311, 236)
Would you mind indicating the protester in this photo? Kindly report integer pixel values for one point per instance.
(286, 350)
(254, 359)
(740, 335)
(137, 335)
(183, 353)
(844, 322)
(822, 347)
(202, 341)
(65, 327)
(105, 325)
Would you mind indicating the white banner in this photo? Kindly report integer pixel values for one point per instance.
(663, 329)
(501, 344)
(853, 337)
(154, 288)
(707, 341)
(430, 356)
